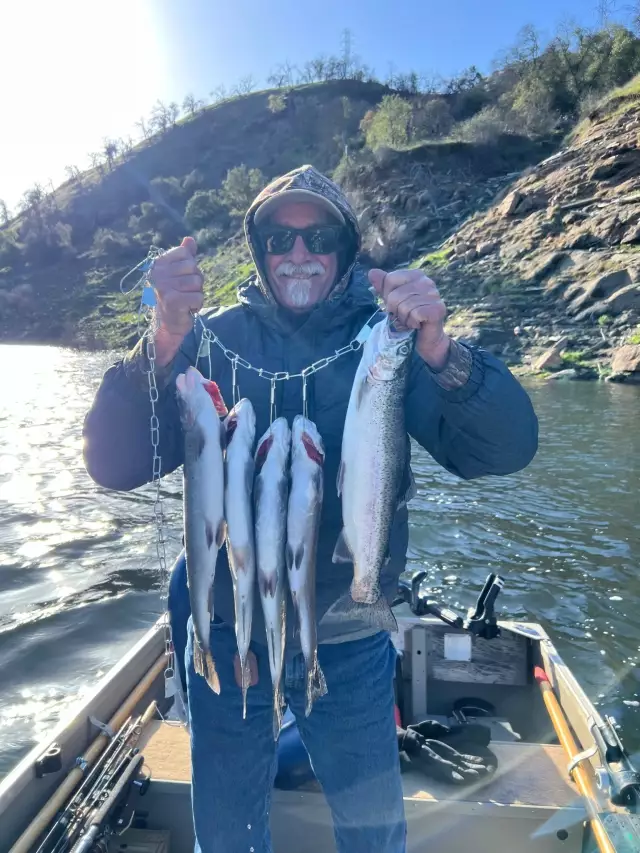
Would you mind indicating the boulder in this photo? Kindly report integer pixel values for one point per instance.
(613, 166)
(626, 359)
(552, 357)
(549, 263)
(632, 235)
(486, 247)
(625, 299)
(598, 288)
(470, 255)
(569, 373)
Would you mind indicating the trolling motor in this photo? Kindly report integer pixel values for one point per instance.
(480, 620)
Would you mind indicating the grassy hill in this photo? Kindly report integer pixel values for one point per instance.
(426, 168)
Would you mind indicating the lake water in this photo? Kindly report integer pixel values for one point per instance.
(78, 568)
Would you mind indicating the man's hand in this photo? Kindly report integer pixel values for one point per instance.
(414, 299)
(177, 282)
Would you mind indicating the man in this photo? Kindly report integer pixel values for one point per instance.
(310, 298)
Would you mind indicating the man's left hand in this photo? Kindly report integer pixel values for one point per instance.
(414, 299)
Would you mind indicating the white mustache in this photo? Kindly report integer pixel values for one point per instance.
(301, 271)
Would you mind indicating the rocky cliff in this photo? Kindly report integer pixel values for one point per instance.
(548, 274)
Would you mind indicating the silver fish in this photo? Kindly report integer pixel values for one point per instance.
(200, 405)
(303, 524)
(270, 504)
(371, 471)
(240, 427)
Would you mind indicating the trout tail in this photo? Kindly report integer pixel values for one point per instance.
(377, 614)
(204, 665)
(316, 684)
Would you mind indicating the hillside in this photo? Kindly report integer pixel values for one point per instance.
(531, 232)
(548, 275)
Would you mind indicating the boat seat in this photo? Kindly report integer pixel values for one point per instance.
(530, 787)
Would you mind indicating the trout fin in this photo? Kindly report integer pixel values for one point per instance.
(342, 552)
(277, 710)
(246, 684)
(340, 478)
(204, 665)
(316, 684)
(376, 615)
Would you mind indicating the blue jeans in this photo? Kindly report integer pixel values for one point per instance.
(350, 736)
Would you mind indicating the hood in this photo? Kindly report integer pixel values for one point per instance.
(309, 179)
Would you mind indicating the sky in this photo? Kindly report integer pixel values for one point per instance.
(73, 72)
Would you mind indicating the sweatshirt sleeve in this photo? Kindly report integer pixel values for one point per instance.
(485, 426)
(117, 448)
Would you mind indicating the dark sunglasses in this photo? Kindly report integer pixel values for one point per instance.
(319, 239)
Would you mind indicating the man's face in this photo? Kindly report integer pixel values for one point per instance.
(300, 279)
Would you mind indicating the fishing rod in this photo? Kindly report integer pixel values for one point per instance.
(121, 759)
(66, 817)
(107, 773)
(59, 797)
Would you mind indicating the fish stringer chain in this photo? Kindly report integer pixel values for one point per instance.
(208, 337)
(148, 302)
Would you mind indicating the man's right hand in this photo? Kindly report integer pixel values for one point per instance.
(177, 282)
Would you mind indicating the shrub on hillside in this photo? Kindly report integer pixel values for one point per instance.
(205, 209)
(240, 187)
(9, 249)
(108, 242)
(277, 102)
(192, 182)
(434, 120)
(167, 191)
(484, 127)
(389, 124)
(46, 242)
(530, 111)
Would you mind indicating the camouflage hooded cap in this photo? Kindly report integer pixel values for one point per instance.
(303, 184)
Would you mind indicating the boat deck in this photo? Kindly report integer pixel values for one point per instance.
(530, 786)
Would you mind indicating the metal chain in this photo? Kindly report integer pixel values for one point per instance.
(158, 512)
(281, 375)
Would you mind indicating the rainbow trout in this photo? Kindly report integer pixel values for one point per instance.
(240, 427)
(200, 405)
(371, 471)
(303, 524)
(270, 494)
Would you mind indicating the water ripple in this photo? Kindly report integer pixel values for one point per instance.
(78, 569)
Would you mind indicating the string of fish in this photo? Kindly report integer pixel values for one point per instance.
(316, 684)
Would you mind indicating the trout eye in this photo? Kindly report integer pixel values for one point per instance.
(404, 349)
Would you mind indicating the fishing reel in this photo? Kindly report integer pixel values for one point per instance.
(480, 620)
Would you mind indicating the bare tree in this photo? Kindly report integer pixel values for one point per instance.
(220, 93)
(4, 213)
(110, 151)
(605, 11)
(143, 128)
(173, 111)
(318, 66)
(73, 173)
(190, 105)
(96, 161)
(307, 73)
(282, 75)
(245, 86)
(160, 117)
